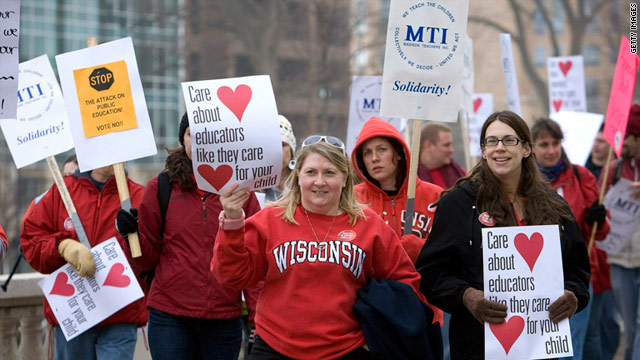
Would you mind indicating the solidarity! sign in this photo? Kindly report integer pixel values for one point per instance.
(79, 303)
(523, 270)
(42, 128)
(423, 61)
(235, 133)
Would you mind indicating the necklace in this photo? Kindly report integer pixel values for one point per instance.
(313, 230)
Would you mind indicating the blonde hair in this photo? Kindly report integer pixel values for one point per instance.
(348, 203)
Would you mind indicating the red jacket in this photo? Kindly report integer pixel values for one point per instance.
(49, 224)
(580, 195)
(305, 310)
(392, 208)
(183, 284)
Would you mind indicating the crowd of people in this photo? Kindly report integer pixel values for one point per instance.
(307, 264)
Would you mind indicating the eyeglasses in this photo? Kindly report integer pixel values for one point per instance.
(331, 140)
(506, 141)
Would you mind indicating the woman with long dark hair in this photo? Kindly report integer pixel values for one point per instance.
(504, 189)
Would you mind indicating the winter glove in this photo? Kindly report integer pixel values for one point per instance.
(482, 309)
(78, 255)
(127, 222)
(564, 307)
(252, 339)
(596, 213)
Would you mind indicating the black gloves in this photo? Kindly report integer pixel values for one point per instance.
(596, 213)
(127, 222)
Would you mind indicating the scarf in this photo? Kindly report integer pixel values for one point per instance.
(553, 173)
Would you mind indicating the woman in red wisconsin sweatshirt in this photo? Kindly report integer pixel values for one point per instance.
(315, 248)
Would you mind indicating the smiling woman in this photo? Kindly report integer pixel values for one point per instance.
(504, 189)
(314, 248)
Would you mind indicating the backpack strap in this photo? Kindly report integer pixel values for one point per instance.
(575, 171)
(164, 195)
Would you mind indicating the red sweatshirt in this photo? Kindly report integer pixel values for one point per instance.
(305, 308)
(392, 208)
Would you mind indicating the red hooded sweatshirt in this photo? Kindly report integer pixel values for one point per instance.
(392, 208)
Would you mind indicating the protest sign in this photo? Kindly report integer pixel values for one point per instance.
(466, 99)
(79, 303)
(509, 70)
(624, 217)
(41, 128)
(566, 84)
(235, 133)
(579, 129)
(365, 103)
(522, 268)
(423, 61)
(106, 105)
(482, 108)
(624, 79)
(9, 39)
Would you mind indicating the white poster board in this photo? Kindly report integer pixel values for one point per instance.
(580, 130)
(106, 105)
(522, 268)
(509, 70)
(423, 61)
(41, 128)
(9, 39)
(365, 103)
(235, 133)
(79, 303)
(466, 100)
(482, 108)
(566, 84)
(624, 217)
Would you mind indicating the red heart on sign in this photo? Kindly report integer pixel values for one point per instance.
(116, 277)
(61, 287)
(476, 104)
(565, 66)
(237, 100)
(218, 178)
(529, 248)
(557, 104)
(508, 332)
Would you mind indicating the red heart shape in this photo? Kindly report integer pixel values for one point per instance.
(116, 277)
(61, 287)
(217, 178)
(565, 66)
(529, 248)
(508, 332)
(557, 104)
(476, 104)
(237, 100)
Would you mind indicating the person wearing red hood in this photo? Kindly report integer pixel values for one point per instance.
(381, 159)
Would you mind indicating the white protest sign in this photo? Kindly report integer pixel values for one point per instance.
(423, 61)
(106, 105)
(566, 84)
(365, 103)
(79, 303)
(624, 217)
(9, 39)
(466, 100)
(509, 70)
(235, 133)
(482, 108)
(41, 128)
(579, 129)
(523, 270)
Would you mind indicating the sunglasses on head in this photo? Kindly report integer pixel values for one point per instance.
(331, 140)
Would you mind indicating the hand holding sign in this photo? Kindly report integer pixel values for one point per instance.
(482, 309)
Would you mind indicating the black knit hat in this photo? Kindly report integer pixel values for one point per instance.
(184, 124)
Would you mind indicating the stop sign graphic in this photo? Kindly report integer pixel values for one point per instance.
(101, 79)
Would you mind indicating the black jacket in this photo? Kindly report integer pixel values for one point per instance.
(451, 262)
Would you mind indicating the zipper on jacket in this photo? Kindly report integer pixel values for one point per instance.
(97, 215)
(393, 214)
(204, 207)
